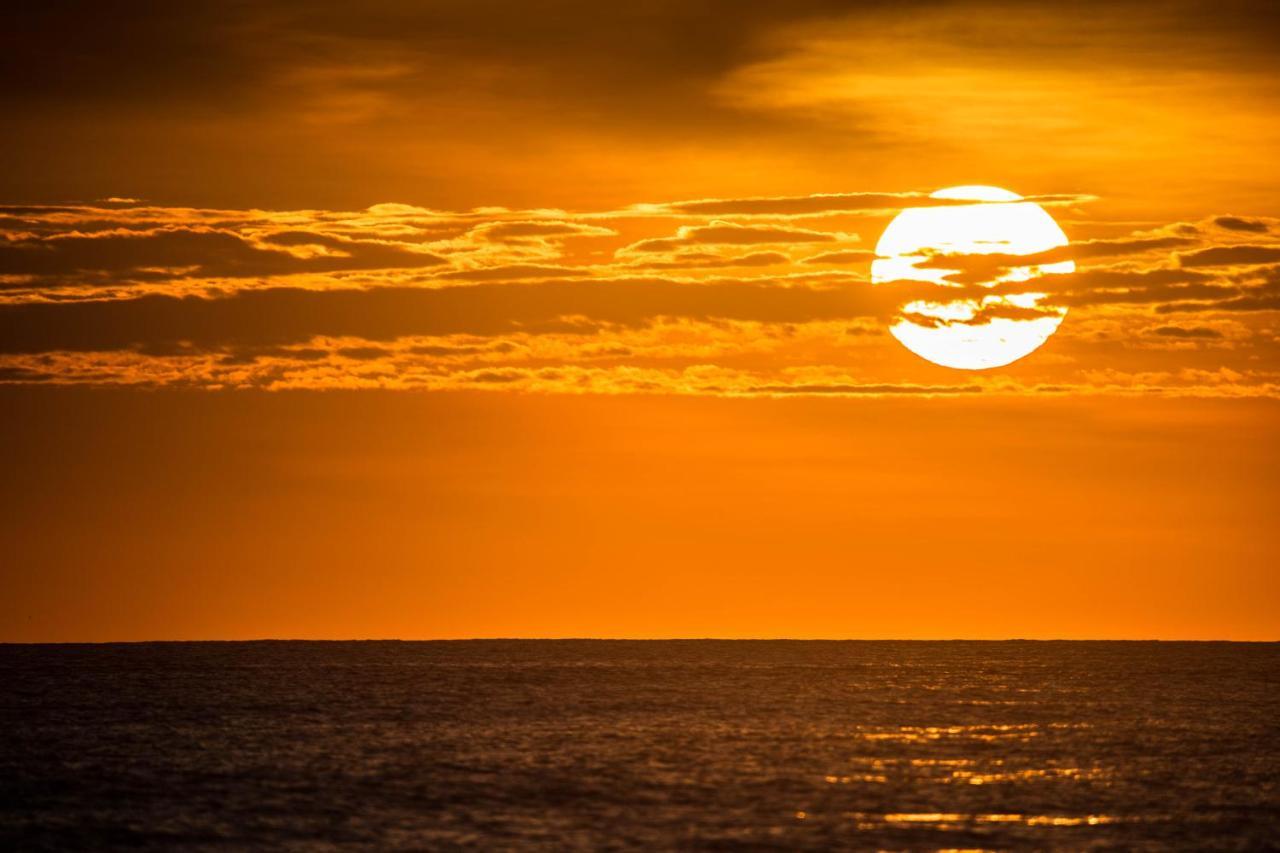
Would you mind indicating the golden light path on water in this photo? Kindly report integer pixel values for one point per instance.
(966, 331)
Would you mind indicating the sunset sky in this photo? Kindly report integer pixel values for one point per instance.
(481, 318)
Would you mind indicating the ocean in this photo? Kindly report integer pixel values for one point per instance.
(653, 745)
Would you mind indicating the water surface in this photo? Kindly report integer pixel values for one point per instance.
(616, 744)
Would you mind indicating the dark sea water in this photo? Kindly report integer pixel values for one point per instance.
(700, 745)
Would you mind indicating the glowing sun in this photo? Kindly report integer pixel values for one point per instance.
(962, 325)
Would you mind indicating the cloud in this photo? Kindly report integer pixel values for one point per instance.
(1236, 223)
(200, 252)
(849, 256)
(983, 314)
(710, 260)
(976, 268)
(281, 316)
(826, 204)
(506, 231)
(1246, 302)
(405, 296)
(732, 234)
(1258, 291)
(855, 390)
(1111, 287)
(721, 233)
(1187, 333)
(203, 48)
(1136, 245)
(10, 374)
(817, 204)
(1231, 256)
(515, 272)
(366, 353)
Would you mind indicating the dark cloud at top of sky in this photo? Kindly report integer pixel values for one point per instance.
(201, 51)
(137, 51)
(474, 102)
(315, 101)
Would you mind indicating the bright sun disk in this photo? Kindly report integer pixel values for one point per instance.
(971, 332)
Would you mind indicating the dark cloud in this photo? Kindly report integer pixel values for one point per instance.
(305, 238)
(206, 50)
(461, 351)
(200, 252)
(1089, 287)
(857, 390)
(1187, 333)
(733, 234)
(820, 204)
(515, 272)
(1236, 223)
(1244, 303)
(710, 260)
(984, 315)
(23, 374)
(1262, 296)
(363, 353)
(1260, 302)
(317, 102)
(1231, 255)
(1125, 246)
(974, 268)
(502, 231)
(206, 56)
(322, 99)
(498, 377)
(1133, 287)
(284, 316)
(729, 234)
(250, 355)
(850, 256)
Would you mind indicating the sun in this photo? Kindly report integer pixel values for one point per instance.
(962, 325)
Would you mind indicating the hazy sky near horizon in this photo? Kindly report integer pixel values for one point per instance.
(481, 318)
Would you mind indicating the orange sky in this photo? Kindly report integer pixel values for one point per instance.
(471, 319)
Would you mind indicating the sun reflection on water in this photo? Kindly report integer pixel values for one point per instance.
(953, 820)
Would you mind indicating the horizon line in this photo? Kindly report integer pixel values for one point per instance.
(573, 639)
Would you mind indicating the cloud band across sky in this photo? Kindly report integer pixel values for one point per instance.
(714, 296)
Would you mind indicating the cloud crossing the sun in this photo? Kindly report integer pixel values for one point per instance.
(717, 296)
